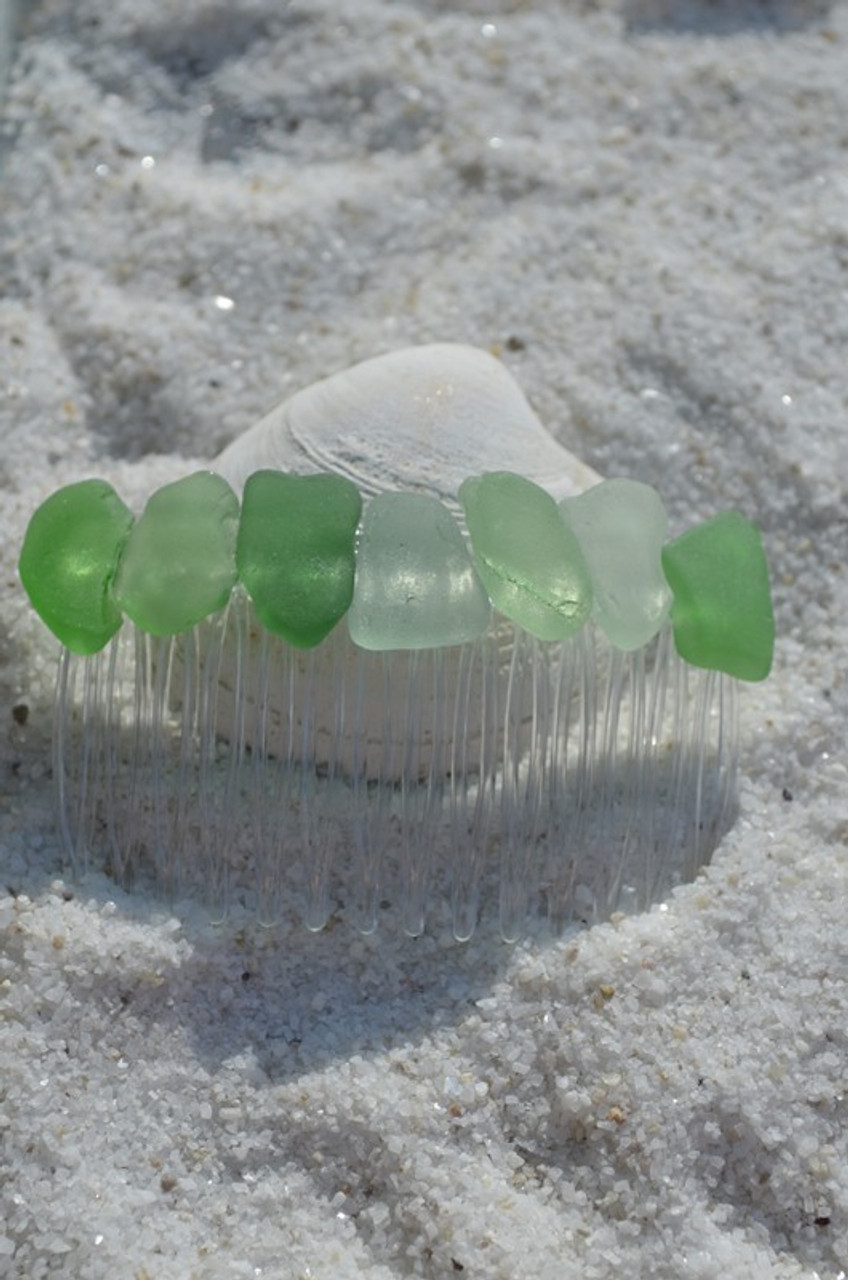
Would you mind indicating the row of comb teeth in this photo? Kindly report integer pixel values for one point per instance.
(307, 704)
(568, 779)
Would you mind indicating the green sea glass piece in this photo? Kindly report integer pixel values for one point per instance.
(415, 587)
(721, 613)
(529, 560)
(179, 562)
(621, 526)
(295, 552)
(68, 561)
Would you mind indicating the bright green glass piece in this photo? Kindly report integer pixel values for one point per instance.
(721, 613)
(295, 552)
(68, 561)
(415, 587)
(621, 526)
(529, 560)
(179, 562)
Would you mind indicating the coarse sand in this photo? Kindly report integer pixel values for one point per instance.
(642, 206)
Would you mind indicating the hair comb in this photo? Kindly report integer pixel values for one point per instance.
(398, 648)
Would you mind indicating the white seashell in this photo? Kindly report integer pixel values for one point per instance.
(419, 419)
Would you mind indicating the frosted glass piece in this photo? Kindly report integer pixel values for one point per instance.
(621, 526)
(722, 613)
(529, 560)
(415, 585)
(68, 561)
(179, 563)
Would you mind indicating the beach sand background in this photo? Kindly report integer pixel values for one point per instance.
(642, 205)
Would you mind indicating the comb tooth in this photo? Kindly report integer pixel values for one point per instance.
(415, 839)
(185, 756)
(62, 756)
(142, 833)
(727, 764)
(260, 788)
(660, 781)
(308, 813)
(641, 776)
(570, 776)
(688, 687)
(371, 795)
(472, 755)
(322, 728)
(623, 734)
(219, 762)
(525, 735)
(162, 764)
(111, 715)
(81, 821)
(120, 709)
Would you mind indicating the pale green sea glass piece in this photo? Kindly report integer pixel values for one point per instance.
(416, 587)
(621, 526)
(721, 612)
(179, 563)
(529, 560)
(68, 562)
(295, 552)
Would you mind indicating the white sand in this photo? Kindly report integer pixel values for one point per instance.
(644, 205)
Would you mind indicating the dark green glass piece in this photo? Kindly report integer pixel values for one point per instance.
(721, 613)
(179, 563)
(295, 552)
(68, 562)
(530, 562)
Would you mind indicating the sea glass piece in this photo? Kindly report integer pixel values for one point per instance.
(179, 562)
(415, 587)
(721, 613)
(68, 562)
(621, 526)
(528, 559)
(295, 552)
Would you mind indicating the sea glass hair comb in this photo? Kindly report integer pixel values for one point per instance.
(399, 647)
